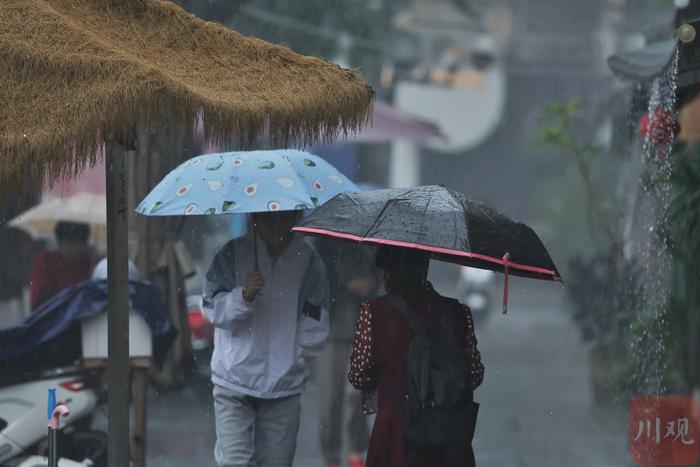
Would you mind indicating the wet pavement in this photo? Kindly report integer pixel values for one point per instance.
(536, 402)
(536, 405)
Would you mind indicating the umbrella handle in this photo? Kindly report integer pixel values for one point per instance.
(506, 266)
(59, 411)
(255, 244)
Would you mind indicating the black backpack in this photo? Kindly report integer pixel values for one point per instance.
(440, 410)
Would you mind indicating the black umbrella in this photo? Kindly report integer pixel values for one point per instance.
(436, 219)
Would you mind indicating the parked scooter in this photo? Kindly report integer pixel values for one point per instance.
(475, 288)
(23, 419)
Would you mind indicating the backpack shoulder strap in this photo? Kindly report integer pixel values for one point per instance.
(399, 304)
(451, 310)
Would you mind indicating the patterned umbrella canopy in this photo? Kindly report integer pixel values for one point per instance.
(245, 182)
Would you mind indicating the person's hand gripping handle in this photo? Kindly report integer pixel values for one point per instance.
(254, 283)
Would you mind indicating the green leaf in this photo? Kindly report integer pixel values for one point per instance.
(571, 106)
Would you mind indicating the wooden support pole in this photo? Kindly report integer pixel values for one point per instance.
(118, 392)
(141, 185)
(139, 387)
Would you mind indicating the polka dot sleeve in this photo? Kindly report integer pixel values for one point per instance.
(466, 325)
(362, 360)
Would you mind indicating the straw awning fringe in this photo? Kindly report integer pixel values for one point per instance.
(75, 73)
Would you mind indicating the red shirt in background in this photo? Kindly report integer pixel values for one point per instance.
(51, 274)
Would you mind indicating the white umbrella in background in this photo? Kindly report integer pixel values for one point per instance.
(86, 208)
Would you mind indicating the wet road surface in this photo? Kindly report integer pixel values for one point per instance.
(536, 406)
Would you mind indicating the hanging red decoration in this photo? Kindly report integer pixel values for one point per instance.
(659, 126)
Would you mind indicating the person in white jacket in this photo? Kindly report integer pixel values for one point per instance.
(270, 323)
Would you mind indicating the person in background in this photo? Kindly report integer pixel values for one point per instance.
(352, 281)
(380, 360)
(267, 297)
(70, 264)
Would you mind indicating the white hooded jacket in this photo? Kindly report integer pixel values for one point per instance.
(263, 349)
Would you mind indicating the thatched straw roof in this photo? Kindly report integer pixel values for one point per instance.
(75, 72)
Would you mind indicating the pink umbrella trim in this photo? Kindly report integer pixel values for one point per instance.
(502, 261)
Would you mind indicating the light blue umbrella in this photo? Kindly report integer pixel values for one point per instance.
(245, 182)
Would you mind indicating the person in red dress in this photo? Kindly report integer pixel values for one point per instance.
(380, 356)
(68, 265)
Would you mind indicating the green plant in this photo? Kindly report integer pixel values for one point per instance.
(684, 210)
(680, 230)
(603, 285)
(557, 130)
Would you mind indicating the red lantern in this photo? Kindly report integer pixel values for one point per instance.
(659, 126)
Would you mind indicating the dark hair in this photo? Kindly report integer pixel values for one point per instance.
(407, 268)
(72, 232)
(297, 214)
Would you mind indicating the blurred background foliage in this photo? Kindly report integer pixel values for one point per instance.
(682, 235)
(324, 28)
(606, 286)
(602, 284)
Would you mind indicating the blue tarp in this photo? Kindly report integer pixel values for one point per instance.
(65, 310)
